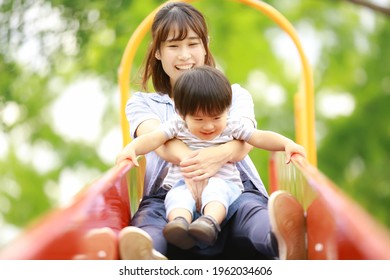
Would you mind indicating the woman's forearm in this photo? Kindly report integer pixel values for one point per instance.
(236, 150)
(205, 163)
(173, 151)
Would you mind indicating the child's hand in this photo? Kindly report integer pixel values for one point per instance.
(293, 148)
(127, 153)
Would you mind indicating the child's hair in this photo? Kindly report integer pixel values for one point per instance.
(203, 90)
(178, 15)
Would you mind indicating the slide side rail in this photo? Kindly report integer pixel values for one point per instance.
(337, 227)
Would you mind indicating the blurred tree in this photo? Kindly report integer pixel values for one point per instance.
(45, 46)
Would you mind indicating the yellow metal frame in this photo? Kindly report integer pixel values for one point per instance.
(303, 99)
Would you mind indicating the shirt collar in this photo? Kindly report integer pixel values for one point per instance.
(161, 98)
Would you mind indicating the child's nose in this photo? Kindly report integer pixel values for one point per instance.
(208, 126)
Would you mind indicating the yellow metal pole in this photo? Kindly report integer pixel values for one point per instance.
(125, 70)
(304, 104)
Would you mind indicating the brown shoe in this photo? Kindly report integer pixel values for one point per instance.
(205, 229)
(176, 233)
(136, 244)
(287, 220)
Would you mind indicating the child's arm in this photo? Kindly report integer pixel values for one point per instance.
(272, 141)
(142, 145)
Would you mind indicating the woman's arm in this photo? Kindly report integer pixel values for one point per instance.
(145, 112)
(173, 150)
(205, 163)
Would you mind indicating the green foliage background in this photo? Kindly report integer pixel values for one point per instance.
(353, 149)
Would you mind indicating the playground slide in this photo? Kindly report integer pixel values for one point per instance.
(337, 228)
(70, 232)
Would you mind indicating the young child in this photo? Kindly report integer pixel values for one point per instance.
(202, 98)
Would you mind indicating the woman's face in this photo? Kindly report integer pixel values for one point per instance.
(179, 56)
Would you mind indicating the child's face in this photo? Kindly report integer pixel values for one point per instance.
(206, 127)
(179, 56)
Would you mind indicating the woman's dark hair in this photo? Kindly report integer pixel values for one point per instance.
(203, 89)
(178, 15)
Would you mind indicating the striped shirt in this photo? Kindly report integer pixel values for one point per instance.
(177, 128)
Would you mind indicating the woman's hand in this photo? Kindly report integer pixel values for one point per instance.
(204, 163)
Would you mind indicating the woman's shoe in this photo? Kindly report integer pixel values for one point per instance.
(136, 244)
(288, 224)
(99, 244)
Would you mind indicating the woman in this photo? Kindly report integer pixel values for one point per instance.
(180, 42)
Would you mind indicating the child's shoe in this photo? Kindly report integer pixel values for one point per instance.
(176, 233)
(205, 229)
